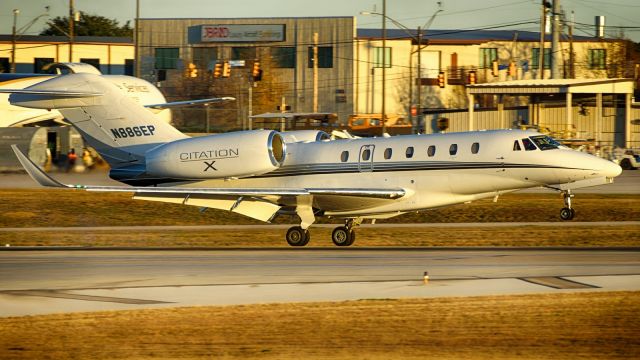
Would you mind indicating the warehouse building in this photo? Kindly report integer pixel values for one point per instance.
(267, 64)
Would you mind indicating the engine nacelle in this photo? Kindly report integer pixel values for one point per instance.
(229, 155)
(305, 136)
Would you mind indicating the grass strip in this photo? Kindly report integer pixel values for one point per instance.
(627, 235)
(593, 325)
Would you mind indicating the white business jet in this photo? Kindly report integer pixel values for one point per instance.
(261, 175)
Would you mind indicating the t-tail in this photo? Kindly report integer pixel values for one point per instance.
(120, 129)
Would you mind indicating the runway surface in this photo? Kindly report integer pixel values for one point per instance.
(41, 282)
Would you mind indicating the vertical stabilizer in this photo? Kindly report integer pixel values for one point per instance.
(120, 129)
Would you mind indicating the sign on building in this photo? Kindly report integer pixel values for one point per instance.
(238, 33)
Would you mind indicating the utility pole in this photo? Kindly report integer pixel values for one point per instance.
(315, 72)
(572, 70)
(384, 65)
(72, 16)
(555, 40)
(419, 107)
(14, 40)
(283, 120)
(136, 39)
(250, 106)
(543, 20)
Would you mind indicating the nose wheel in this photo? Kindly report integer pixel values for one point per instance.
(567, 213)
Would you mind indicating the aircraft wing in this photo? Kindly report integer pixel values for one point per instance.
(177, 104)
(259, 203)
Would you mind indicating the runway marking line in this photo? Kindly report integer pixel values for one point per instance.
(557, 282)
(62, 295)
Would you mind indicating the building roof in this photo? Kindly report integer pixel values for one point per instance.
(63, 39)
(548, 86)
(457, 36)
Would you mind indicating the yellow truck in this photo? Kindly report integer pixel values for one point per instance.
(371, 125)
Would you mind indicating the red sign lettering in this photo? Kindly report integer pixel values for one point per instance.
(216, 32)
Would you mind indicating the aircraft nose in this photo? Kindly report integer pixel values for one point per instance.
(611, 169)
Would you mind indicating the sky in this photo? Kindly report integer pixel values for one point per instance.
(455, 14)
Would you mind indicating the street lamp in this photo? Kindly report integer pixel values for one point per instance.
(418, 39)
(15, 34)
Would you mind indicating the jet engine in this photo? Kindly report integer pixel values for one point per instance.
(229, 155)
(305, 136)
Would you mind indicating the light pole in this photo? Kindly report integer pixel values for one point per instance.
(418, 39)
(15, 34)
(13, 40)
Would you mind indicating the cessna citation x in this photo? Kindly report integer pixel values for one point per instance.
(263, 173)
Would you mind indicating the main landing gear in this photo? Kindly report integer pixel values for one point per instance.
(297, 236)
(567, 213)
(341, 236)
(345, 235)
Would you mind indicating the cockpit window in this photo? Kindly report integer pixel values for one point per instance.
(528, 144)
(516, 146)
(545, 142)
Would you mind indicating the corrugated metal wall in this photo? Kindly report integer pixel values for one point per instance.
(612, 131)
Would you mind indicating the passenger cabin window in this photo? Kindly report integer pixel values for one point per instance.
(366, 155)
(409, 152)
(431, 150)
(344, 156)
(453, 149)
(516, 146)
(528, 144)
(387, 153)
(475, 147)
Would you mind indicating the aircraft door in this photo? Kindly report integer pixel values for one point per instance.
(365, 159)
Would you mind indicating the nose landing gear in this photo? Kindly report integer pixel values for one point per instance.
(567, 213)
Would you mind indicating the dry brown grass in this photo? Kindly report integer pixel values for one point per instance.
(27, 207)
(627, 235)
(553, 326)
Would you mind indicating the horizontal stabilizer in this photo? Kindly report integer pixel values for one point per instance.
(177, 104)
(34, 171)
(52, 93)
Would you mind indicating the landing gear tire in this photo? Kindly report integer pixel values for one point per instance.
(343, 236)
(296, 236)
(567, 213)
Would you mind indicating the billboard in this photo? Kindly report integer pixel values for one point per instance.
(241, 33)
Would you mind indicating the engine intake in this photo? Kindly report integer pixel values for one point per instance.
(229, 155)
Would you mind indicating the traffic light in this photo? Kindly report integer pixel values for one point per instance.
(256, 72)
(217, 70)
(441, 79)
(471, 78)
(226, 69)
(494, 68)
(192, 70)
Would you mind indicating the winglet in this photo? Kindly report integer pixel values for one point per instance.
(34, 171)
